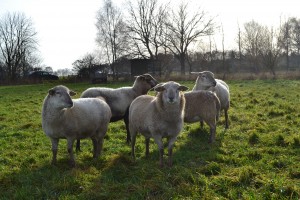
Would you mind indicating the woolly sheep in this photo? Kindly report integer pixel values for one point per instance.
(158, 117)
(205, 106)
(74, 119)
(119, 99)
(206, 81)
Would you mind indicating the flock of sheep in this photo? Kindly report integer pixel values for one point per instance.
(154, 117)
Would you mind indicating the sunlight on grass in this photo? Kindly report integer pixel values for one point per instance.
(256, 158)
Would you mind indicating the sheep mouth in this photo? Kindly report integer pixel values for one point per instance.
(70, 105)
(171, 101)
(153, 83)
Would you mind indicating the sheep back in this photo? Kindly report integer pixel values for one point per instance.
(118, 99)
(80, 121)
(222, 92)
(201, 105)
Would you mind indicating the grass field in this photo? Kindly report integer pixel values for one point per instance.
(258, 157)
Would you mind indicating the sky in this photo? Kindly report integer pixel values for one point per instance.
(66, 29)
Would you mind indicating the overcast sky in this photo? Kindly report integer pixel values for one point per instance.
(66, 28)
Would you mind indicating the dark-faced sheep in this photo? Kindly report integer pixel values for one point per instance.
(74, 119)
(158, 117)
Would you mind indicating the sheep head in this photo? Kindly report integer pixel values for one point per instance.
(145, 82)
(170, 91)
(60, 97)
(206, 79)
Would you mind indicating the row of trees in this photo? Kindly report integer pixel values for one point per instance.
(169, 36)
(154, 31)
(150, 29)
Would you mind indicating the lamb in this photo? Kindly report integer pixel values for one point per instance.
(74, 119)
(158, 117)
(120, 99)
(206, 81)
(204, 106)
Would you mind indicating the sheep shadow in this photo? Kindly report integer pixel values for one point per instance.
(144, 179)
(117, 175)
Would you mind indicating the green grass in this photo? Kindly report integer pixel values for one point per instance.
(256, 158)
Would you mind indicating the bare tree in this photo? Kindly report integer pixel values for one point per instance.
(146, 23)
(239, 42)
(83, 66)
(183, 28)
(285, 40)
(295, 34)
(112, 34)
(17, 43)
(269, 50)
(251, 42)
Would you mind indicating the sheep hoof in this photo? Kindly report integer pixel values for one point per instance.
(78, 150)
(72, 163)
(53, 162)
(161, 165)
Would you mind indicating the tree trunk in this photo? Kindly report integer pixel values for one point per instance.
(182, 64)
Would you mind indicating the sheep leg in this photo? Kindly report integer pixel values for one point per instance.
(212, 137)
(201, 124)
(100, 146)
(78, 146)
(158, 141)
(226, 118)
(147, 141)
(170, 150)
(126, 121)
(70, 151)
(54, 142)
(133, 137)
(95, 145)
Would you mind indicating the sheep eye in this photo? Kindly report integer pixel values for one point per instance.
(58, 93)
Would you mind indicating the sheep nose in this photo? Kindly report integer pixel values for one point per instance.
(70, 104)
(171, 99)
(153, 83)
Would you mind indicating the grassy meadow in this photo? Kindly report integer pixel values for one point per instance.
(258, 157)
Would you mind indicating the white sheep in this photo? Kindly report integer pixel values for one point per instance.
(119, 99)
(158, 117)
(202, 106)
(74, 119)
(206, 81)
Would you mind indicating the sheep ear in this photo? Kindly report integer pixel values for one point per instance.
(159, 88)
(143, 77)
(72, 93)
(194, 72)
(147, 76)
(51, 92)
(182, 88)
